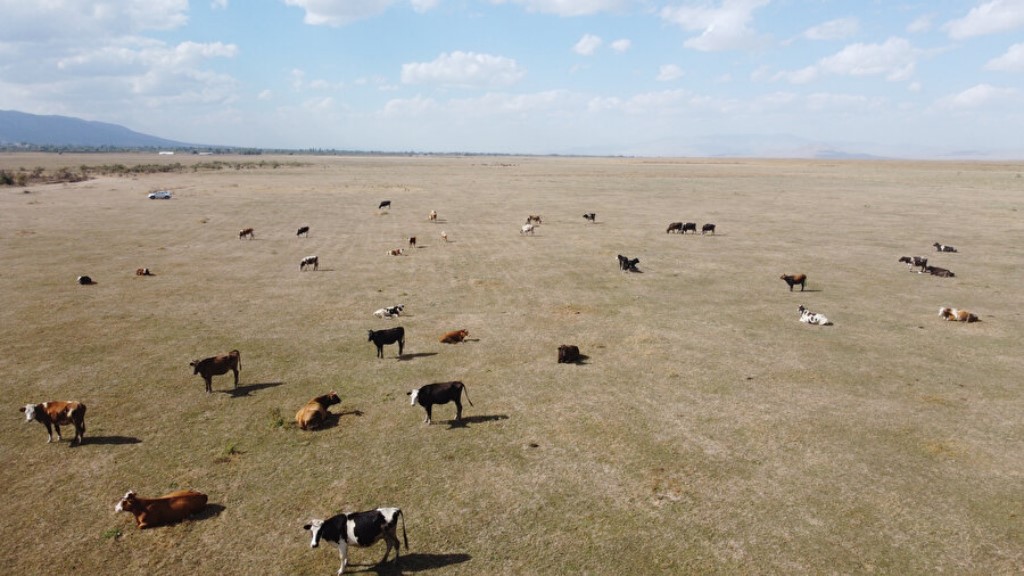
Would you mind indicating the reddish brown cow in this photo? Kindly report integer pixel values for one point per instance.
(314, 413)
(794, 279)
(167, 509)
(53, 414)
(217, 365)
(454, 337)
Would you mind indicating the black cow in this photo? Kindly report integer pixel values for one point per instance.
(389, 336)
(85, 280)
(217, 365)
(691, 226)
(384, 204)
(707, 228)
(361, 529)
(568, 354)
(590, 216)
(628, 264)
(303, 231)
(940, 272)
(439, 393)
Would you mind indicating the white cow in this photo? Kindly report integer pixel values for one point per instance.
(814, 318)
(526, 229)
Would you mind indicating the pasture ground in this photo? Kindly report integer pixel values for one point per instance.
(709, 432)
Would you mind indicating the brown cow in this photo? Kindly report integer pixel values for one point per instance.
(954, 315)
(143, 272)
(53, 414)
(568, 354)
(314, 413)
(794, 279)
(167, 509)
(246, 232)
(217, 365)
(454, 337)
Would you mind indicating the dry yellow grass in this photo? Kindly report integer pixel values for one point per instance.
(709, 431)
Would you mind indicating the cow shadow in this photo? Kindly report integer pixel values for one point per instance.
(407, 357)
(467, 420)
(111, 440)
(333, 419)
(211, 511)
(248, 389)
(583, 360)
(415, 562)
(811, 290)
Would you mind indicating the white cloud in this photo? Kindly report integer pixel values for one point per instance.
(219, 4)
(838, 29)
(980, 96)
(572, 7)
(669, 72)
(801, 76)
(587, 45)
(464, 69)
(1011, 61)
(895, 58)
(339, 12)
(726, 27)
(422, 6)
(920, 24)
(988, 18)
(68, 21)
(621, 45)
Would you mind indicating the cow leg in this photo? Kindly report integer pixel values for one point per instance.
(235, 370)
(209, 383)
(49, 433)
(380, 350)
(56, 428)
(458, 408)
(343, 551)
(392, 541)
(801, 287)
(401, 345)
(429, 409)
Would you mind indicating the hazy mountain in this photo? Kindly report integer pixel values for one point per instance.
(20, 128)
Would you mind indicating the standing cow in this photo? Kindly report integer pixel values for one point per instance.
(361, 529)
(217, 365)
(439, 393)
(382, 338)
(53, 414)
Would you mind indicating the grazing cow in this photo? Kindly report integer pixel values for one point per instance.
(954, 315)
(454, 337)
(314, 413)
(691, 226)
(85, 280)
(143, 272)
(533, 219)
(628, 264)
(382, 338)
(390, 311)
(412, 241)
(313, 261)
(217, 365)
(439, 393)
(167, 509)
(303, 231)
(568, 354)
(526, 229)
(432, 217)
(914, 261)
(444, 236)
(361, 529)
(395, 252)
(674, 227)
(794, 279)
(943, 248)
(53, 414)
(936, 271)
(813, 318)
(246, 232)
(384, 204)
(590, 216)
(709, 227)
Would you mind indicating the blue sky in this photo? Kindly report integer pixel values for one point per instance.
(907, 78)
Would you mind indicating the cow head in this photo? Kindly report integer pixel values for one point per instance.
(127, 504)
(370, 339)
(30, 411)
(413, 395)
(195, 366)
(314, 526)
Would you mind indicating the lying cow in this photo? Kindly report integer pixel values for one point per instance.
(674, 227)
(954, 315)
(303, 231)
(167, 509)
(217, 365)
(527, 229)
(943, 248)
(361, 529)
(395, 252)
(568, 354)
(315, 413)
(382, 338)
(143, 272)
(794, 279)
(85, 280)
(454, 337)
(53, 414)
(439, 393)
(389, 311)
(592, 217)
(813, 318)
(313, 261)
(936, 271)
(914, 261)
(246, 232)
(707, 228)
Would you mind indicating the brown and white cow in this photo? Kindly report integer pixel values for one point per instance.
(246, 232)
(167, 509)
(432, 217)
(454, 337)
(217, 365)
(53, 414)
(315, 413)
(955, 315)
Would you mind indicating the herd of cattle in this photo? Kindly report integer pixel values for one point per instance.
(367, 528)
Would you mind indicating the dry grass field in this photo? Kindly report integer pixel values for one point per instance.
(708, 432)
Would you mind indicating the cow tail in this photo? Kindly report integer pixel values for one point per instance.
(466, 390)
(404, 536)
(239, 355)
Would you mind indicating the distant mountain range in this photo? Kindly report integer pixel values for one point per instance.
(19, 128)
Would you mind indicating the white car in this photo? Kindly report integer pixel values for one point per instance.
(160, 195)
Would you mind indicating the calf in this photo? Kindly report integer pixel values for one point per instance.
(384, 204)
(526, 229)
(568, 354)
(315, 413)
(954, 315)
(439, 393)
(246, 232)
(794, 279)
(382, 338)
(167, 509)
(217, 365)
(313, 261)
(691, 226)
(674, 227)
(591, 216)
(454, 337)
(85, 280)
(361, 529)
(936, 271)
(432, 217)
(303, 231)
(813, 318)
(390, 311)
(707, 228)
(914, 261)
(143, 272)
(53, 414)
(943, 248)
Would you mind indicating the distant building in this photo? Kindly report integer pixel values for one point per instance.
(166, 152)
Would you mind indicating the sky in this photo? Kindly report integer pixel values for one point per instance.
(899, 78)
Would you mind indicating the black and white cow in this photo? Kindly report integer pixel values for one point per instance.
(439, 393)
(361, 529)
(914, 261)
(389, 336)
(384, 204)
(691, 226)
(389, 311)
(313, 261)
(943, 248)
(590, 216)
